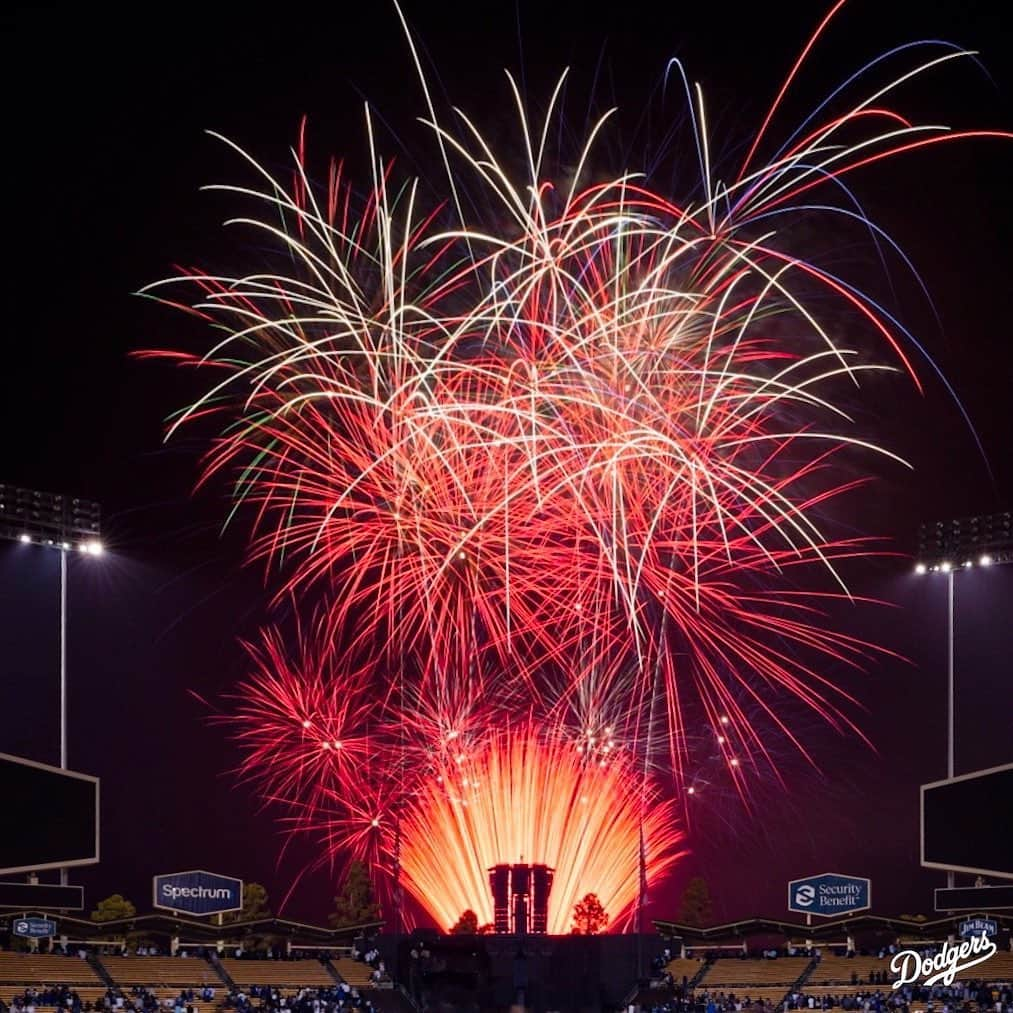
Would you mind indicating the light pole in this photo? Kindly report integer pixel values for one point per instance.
(63, 657)
(950, 591)
(53, 521)
(946, 547)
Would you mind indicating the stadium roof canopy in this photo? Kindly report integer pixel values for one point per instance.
(837, 928)
(204, 930)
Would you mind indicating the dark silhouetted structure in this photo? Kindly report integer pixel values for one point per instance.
(520, 898)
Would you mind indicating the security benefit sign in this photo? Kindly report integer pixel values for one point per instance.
(829, 895)
(198, 893)
(34, 928)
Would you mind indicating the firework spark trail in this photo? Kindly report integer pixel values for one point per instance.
(587, 831)
(294, 709)
(562, 466)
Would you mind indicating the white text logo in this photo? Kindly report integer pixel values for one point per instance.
(196, 891)
(945, 965)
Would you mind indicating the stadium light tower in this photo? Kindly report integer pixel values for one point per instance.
(949, 548)
(63, 523)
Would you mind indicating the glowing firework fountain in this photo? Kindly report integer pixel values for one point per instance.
(550, 478)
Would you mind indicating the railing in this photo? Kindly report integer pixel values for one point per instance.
(220, 968)
(804, 976)
(98, 967)
(407, 996)
(705, 966)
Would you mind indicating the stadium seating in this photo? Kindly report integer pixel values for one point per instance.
(279, 973)
(21, 970)
(832, 970)
(88, 993)
(157, 972)
(353, 971)
(45, 969)
(997, 968)
(832, 976)
(683, 968)
(733, 972)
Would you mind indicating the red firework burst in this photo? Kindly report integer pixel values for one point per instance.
(558, 474)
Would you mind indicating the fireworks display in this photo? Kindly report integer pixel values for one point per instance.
(547, 467)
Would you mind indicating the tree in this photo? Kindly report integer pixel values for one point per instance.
(356, 904)
(254, 904)
(467, 924)
(695, 908)
(116, 906)
(589, 917)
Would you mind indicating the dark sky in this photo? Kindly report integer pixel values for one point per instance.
(105, 152)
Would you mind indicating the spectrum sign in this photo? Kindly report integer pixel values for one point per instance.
(829, 895)
(197, 893)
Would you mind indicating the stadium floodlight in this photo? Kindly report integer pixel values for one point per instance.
(55, 521)
(987, 538)
(48, 518)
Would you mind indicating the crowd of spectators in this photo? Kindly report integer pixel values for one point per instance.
(706, 1002)
(62, 996)
(879, 997)
(144, 1000)
(659, 963)
(339, 998)
(771, 953)
(960, 997)
(336, 999)
(276, 951)
(365, 951)
(869, 992)
(137, 1000)
(788, 950)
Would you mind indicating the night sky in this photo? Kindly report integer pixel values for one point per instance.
(105, 153)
